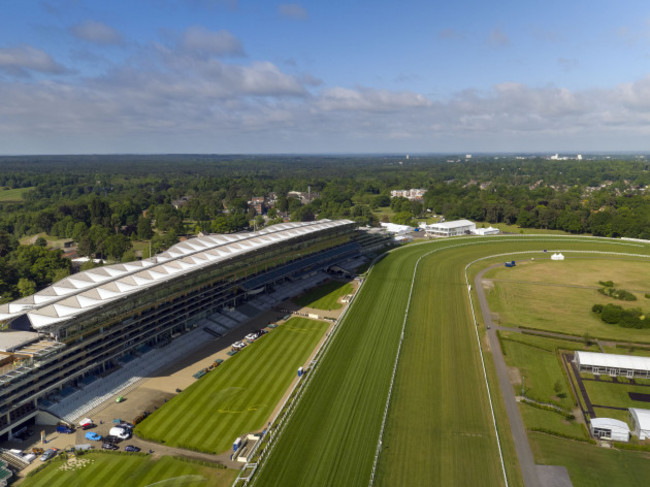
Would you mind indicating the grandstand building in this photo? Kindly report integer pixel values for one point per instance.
(82, 325)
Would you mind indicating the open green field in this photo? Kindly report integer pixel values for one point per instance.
(10, 195)
(132, 470)
(606, 393)
(590, 465)
(558, 296)
(535, 418)
(438, 417)
(504, 227)
(541, 371)
(238, 396)
(326, 296)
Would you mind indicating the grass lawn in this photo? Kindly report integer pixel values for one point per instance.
(439, 417)
(541, 370)
(133, 470)
(548, 420)
(613, 413)
(52, 241)
(10, 195)
(606, 393)
(325, 296)
(590, 465)
(545, 295)
(238, 396)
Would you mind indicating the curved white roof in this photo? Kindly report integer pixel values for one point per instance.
(86, 290)
(610, 424)
(612, 360)
(642, 417)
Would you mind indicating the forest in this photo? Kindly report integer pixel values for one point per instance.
(118, 207)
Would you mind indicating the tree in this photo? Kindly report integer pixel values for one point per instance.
(145, 232)
(557, 387)
(40, 242)
(26, 287)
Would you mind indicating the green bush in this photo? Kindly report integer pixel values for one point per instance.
(611, 314)
(621, 294)
(597, 308)
(606, 283)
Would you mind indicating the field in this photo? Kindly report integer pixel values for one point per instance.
(558, 296)
(238, 396)
(606, 393)
(10, 195)
(590, 465)
(438, 416)
(132, 470)
(326, 296)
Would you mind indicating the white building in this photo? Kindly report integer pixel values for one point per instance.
(396, 229)
(450, 229)
(610, 429)
(629, 366)
(410, 194)
(487, 231)
(641, 422)
(558, 256)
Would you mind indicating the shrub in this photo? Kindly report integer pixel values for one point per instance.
(606, 283)
(611, 314)
(597, 308)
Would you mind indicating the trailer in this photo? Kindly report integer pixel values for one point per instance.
(510, 263)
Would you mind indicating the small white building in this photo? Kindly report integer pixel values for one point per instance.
(396, 229)
(630, 366)
(609, 429)
(487, 231)
(640, 422)
(558, 256)
(451, 229)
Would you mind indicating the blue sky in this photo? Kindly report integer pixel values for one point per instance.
(237, 76)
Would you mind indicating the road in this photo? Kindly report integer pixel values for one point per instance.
(524, 453)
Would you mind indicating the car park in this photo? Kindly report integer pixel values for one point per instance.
(49, 453)
(92, 436)
(132, 448)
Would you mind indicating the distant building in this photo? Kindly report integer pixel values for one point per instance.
(181, 202)
(609, 429)
(409, 194)
(450, 229)
(640, 422)
(304, 197)
(487, 231)
(629, 366)
(396, 229)
(258, 203)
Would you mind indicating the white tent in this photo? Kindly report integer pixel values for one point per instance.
(641, 422)
(558, 256)
(610, 429)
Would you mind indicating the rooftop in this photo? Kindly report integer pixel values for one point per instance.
(93, 288)
(10, 340)
(612, 360)
(642, 417)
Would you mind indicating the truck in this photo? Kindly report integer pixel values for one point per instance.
(510, 263)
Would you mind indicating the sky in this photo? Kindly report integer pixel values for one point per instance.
(352, 76)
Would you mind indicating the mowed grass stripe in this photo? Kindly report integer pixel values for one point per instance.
(330, 439)
(119, 470)
(238, 396)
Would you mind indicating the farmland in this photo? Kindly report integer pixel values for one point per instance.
(237, 397)
(10, 195)
(326, 296)
(133, 470)
(438, 415)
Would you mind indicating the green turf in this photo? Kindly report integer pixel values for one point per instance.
(613, 413)
(326, 296)
(133, 470)
(606, 393)
(590, 465)
(10, 195)
(335, 427)
(527, 295)
(535, 418)
(237, 397)
(540, 370)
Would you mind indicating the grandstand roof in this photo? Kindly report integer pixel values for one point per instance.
(611, 360)
(90, 289)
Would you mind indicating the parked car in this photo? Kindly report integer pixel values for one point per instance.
(91, 435)
(109, 446)
(49, 453)
(88, 426)
(111, 439)
(119, 399)
(62, 428)
(121, 432)
(131, 448)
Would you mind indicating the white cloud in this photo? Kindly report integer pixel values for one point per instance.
(293, 11)
(206, 42)
(96, 32)
(21, 60)
(370, 100)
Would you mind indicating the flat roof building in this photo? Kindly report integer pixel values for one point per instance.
(629, 366)
(450, 229)
(609, 429)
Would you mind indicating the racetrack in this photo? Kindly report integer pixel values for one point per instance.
(439, 429)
